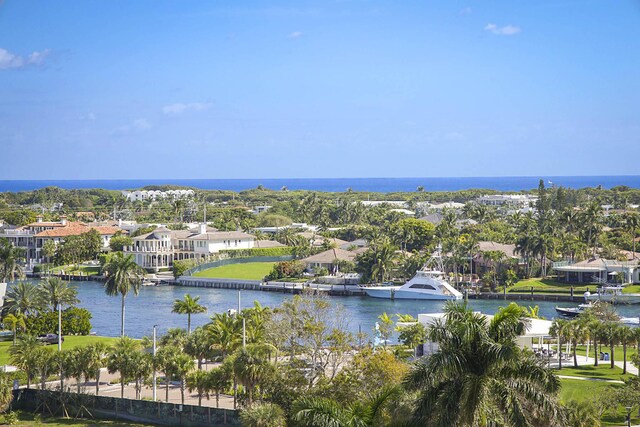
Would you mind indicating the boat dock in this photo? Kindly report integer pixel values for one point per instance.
(258, 285)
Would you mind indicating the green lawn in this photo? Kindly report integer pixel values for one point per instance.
(632, 289)
(246, 271)
(72, 269)
(547, 286)
(70, 342)
(602, 371)
(29, 419)
(618, 354)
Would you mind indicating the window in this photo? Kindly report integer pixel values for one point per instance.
(421, 286)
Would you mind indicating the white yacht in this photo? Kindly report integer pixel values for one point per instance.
(428, 283)
(612, 294)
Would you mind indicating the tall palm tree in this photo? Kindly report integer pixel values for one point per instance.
(198, 381)
(610, 333)
(479, 374)
(560, 330)
(10, 257)
(94, 358)
(225, 333)
(198, 346)
(383, 257)
(15, 321)
(189, 305)
(249, 367)
(321, 412)
(24, 355)
(121, 359)
(123, 276)
(219, 379)
(263, 415)
(632, 223)
(23, 298)
(182, 365)
(54, 291)
(626, 336)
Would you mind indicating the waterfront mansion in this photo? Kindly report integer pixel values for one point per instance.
(158, 249)
(32, 237)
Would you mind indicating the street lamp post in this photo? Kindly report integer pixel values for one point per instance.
(154, 363)
(59, 327)
(628, 416)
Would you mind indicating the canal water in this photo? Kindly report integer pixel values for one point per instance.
(153, 306)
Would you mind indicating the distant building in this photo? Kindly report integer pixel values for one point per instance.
(144, 195)
(327, 258)
(259, 209)
(158, 249)
(597, 270)
(32, 237)
(513, 201)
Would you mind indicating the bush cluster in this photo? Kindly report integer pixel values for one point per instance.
(286, 270)
(75, 321)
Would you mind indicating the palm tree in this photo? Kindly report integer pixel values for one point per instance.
(23, 298)
(164, 362)
(94, 358)
(264, 415)
(560, 330)
(319, 411)
(225, 333)
(10, 257)
(189, 305)
(15, 321)
(632, 223)
(626, 336)
(575, 333)
(121, 358)
(197, 345)
(182, 365)
(383, 257)
(218, 382)
(249, 367)
(24, 355)
(479, 373)
(123, 276)
(610, 335)
(199, 381)
(54, 292)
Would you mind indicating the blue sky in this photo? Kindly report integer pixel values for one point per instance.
(345, 88)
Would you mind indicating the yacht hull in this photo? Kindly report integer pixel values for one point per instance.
(615, 299)
(394, 293)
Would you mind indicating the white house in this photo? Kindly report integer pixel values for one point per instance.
(142, 195)
(159, 248)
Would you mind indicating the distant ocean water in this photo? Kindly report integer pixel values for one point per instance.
(385, 185)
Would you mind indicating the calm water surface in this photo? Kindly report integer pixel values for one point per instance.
(153, 306)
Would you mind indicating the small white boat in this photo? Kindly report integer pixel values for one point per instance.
(427, 284)
(612, 294)
(572, 311)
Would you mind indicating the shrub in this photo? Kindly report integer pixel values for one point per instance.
(286, 269)
(75, 321)
(244, 253)
(182, 265)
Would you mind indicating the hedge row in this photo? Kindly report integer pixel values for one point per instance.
(253, 252)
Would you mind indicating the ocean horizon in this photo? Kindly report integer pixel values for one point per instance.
(383, 185)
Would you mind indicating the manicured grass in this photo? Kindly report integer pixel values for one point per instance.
(71, 269)
(632, 289)
(581, 390)
(547, 286)
(602, 371)
(29, 419)
(70, 342)
(246, 271)
(618, 354)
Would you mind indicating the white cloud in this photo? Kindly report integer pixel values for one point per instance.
(141, 124)
(507, 30)
(10, 60)
(466, 11)
(138, 125)
(179, 107)
(295, 35)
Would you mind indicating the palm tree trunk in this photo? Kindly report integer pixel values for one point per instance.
(559, 353)
(14, 334)
(121, 386)
(612, 358)
(217, 399)
(624, 358)
(122, 319)
(575, 356)
(199, 398)
(182, 390)
(595, 352)
(188, 323)
(98, 382)
(166, 379)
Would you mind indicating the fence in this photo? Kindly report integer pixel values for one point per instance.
(51, 402)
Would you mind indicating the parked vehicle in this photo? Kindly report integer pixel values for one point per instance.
(49, 338)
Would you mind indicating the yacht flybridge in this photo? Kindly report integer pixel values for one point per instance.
(428, 283)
